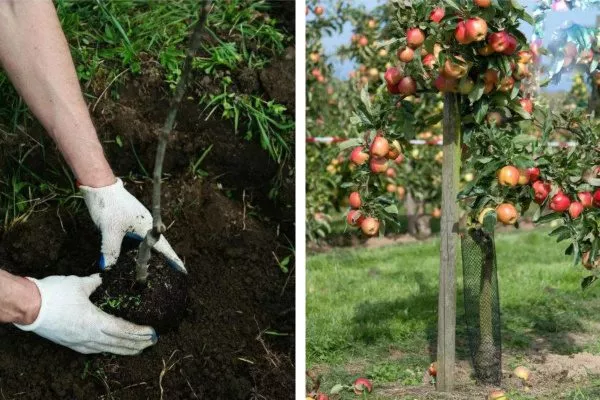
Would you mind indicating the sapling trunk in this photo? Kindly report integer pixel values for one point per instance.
(158, 228)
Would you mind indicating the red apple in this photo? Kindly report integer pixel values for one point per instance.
(319, 10)
(379, 147)
(399, 160)
(354, 218)
(437, 14)
(392, 76)
(454, 70)
(407, 86)
(414, 37)
(511, 45)
(527, 105)
(476, 29)
(560, 202)
(597, 198)
(406, 54)
(586, 199)
(483, 3)
(541, 191)
(444, 84)
(358, 157)
(575, 209)
(354, 200)
(533, 173)
(363, 384)
(363, 41)
(429, 61)
(392, 89)
(390, 173)
(370, 227)
(498, 41)
(490, 76)
(507, 84)
(508, 176)
(460, 33)
(378, 165)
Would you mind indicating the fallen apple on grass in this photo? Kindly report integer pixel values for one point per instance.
(497, 394)
(362, 385)
(522, 373)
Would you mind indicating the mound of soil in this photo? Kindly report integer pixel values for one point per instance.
(161, 302)
(236, 338)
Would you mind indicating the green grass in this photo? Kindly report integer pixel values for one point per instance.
(373, 311)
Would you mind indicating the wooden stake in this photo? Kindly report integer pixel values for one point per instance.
(449, 241)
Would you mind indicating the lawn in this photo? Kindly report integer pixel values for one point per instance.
(372, 312)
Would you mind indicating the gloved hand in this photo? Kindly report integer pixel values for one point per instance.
(117, 213)
(67, 317)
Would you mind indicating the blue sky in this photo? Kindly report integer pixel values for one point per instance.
(554, 20)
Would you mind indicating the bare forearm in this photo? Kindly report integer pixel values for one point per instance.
(19, 299)
(36, 57)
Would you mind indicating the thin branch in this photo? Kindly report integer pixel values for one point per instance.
(158, 228)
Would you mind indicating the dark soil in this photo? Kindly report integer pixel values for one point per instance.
(161, 302)
(236, 338)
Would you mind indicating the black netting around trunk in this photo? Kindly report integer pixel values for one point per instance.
(482, 305)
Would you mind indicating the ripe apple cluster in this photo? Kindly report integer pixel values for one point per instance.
(380, 154)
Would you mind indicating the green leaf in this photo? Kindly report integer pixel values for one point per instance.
(481, 110)
(366, 100)
(477, 92)
(559, 230)
(350, 143)
(336, 389)
(391, 209)
(523, 139)
(548, 218)
(452, 4)
(594, 181)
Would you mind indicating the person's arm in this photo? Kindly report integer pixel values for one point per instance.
(36, 57)
(19, 299)
(58, 308)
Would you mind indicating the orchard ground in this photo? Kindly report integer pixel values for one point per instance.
(372, 312)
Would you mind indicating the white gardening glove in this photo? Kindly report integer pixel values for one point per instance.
(117, 213)
(67, 317)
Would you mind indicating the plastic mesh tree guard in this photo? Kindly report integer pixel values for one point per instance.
(482, 305)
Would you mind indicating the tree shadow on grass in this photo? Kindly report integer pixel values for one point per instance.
(545, 325)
